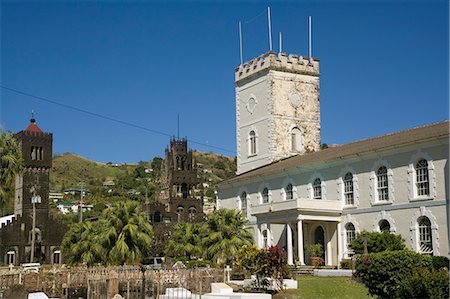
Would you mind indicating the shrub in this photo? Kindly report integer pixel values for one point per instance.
(440, 262)
(384, 272)
(424, 283)
(314, 249)
(346, 264)
(377, 242)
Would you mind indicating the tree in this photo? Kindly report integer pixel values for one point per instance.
(129, 234)
(226, 235)
(377, 242)
(186, 241)
(11, 163)
(121, 235)
(84, 243)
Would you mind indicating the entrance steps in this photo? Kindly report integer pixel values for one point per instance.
(306, 270)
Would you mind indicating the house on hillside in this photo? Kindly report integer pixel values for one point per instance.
(294, 194)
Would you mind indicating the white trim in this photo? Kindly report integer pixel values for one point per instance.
(414, 230)
(383, 215)
(310, 188)
(340, 187)
(373, 186)
(412, 188)
(345, 220)
(239, 201)
(260, 190)
(287, 181)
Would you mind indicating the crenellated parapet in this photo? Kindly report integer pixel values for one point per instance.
(282, 62)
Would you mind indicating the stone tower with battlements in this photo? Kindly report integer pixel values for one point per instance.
(16, 230)
(277, 109)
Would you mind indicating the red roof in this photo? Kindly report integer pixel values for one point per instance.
(32, 127)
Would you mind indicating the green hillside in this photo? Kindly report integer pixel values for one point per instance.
(137, 181)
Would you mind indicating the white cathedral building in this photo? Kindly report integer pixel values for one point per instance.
(294, 194)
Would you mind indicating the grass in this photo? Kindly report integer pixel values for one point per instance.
(326, 288)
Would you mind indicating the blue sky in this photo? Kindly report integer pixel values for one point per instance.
(384, 68)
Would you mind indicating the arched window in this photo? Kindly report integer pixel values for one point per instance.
(384, 225)
(180, 210)
(296, 140)
(184, 190)
(252, 143)
(425, 236)
(382, 184)
(422, 178)
(350, 233)
(265, 195)
(348, 189)
(192, 211)
(317, 189)
(244, 204)
(289, 192)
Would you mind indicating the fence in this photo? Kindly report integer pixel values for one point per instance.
(131, 282)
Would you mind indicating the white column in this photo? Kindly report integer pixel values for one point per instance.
(269, 234)
(301, 257)
(258, 235)
(339, 241)
(329, 235)
(290, 256)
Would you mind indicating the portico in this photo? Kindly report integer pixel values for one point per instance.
(299, 222)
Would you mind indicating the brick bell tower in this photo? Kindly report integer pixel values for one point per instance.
(16, 235)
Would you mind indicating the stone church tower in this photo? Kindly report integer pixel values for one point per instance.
(277, 109)
(16, 234)
(176, 201)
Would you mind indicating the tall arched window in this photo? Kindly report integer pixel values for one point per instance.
(425, 236)
(350, 233)
(317, 189)
(244, 204)
(265, 195)
(385, 226)
(192, 211)
(382, 184)
(422, 178)
(252, 143)
(289, 192)
(348, 189)
(296, 140)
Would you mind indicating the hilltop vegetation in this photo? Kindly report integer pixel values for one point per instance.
(134, 181)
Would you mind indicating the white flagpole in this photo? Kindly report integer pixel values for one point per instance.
(310, 39)
(240, 42)
(270, 28)
(281, 43)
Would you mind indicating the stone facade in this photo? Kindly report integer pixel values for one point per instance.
(15, 236)
(176, 201)
(277, 97)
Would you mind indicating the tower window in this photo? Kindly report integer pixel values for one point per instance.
(317, 189)
(252, 143)
(382, 184)
(348, 189)
(37, 153)
(296, 140)
(422, 178)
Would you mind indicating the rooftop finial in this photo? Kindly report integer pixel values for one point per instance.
(33, 113)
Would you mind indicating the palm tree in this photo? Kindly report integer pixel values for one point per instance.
(11, 163)
(128, 233)
(84, 243)
(186, 241)
(226, 234)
